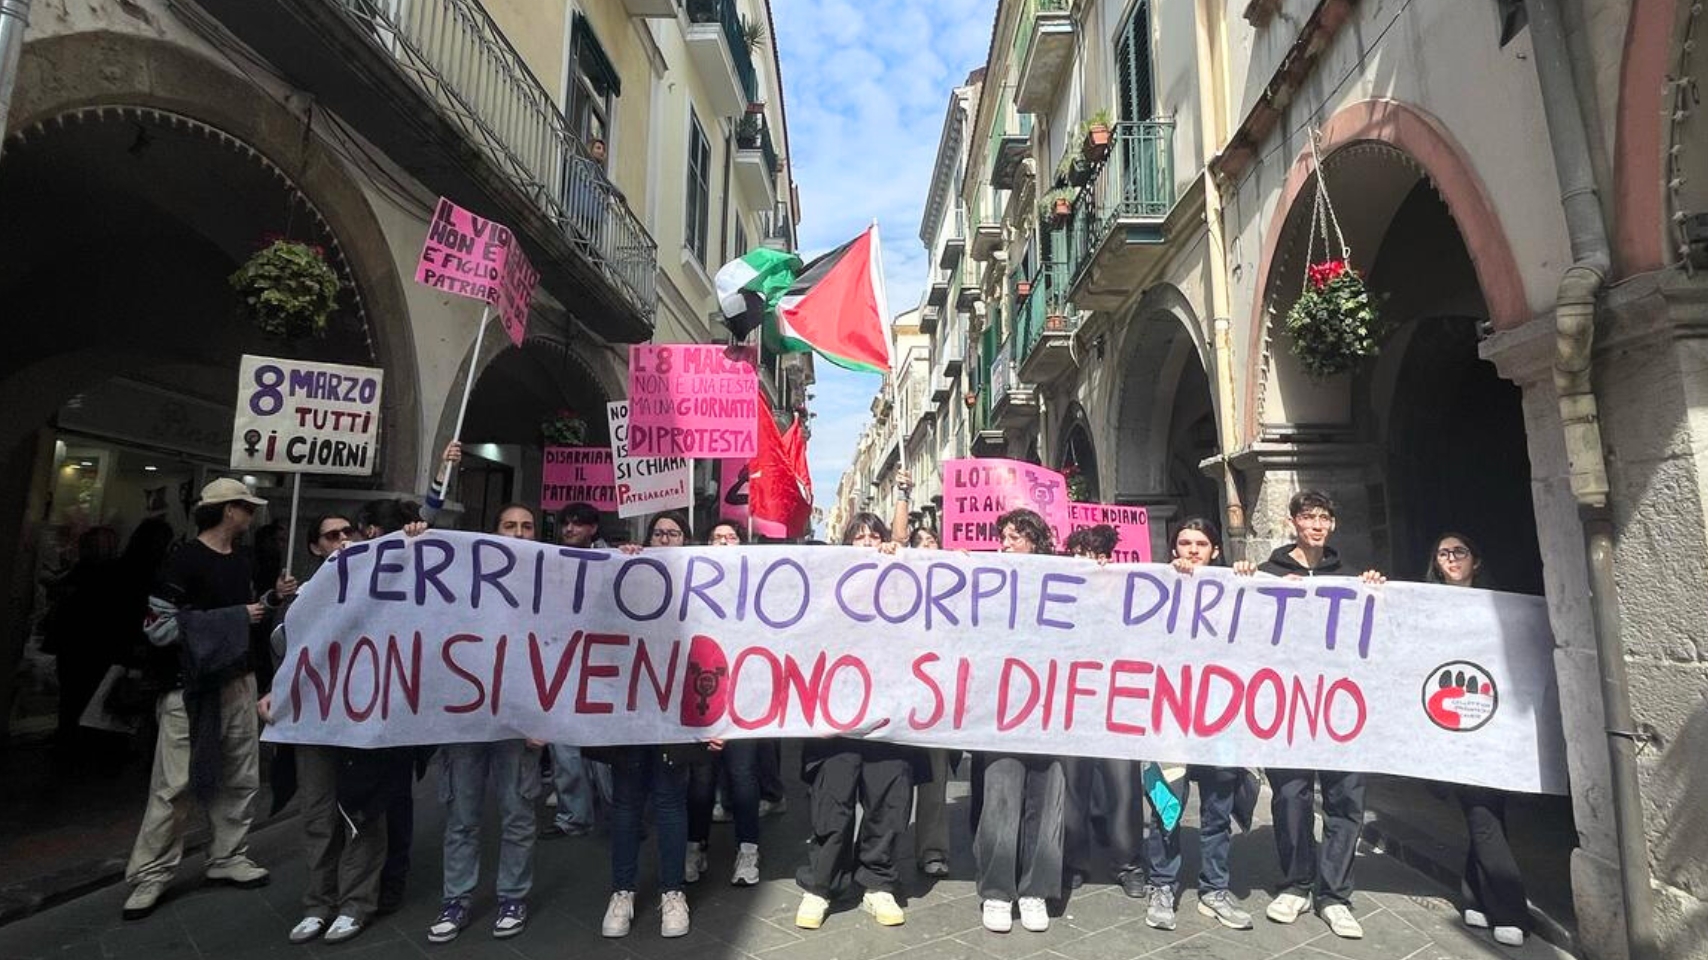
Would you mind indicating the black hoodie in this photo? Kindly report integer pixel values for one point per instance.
(1282, 564)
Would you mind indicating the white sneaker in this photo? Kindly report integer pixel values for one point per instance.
(343, 928)
(881, 904)
(308, 928)
(810, 914)
(720, 814)
(695, 864)
(1287, 907)
(1033, 914)
(673, 915)
(1509, 936)
(774, 808)
(1476, 918)
(998, 916)
(1339, 918)
(746, 866)
(619, 914)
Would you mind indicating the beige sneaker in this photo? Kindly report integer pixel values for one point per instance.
(673, 915)
(144, 899)
(239, 872)
(1339, 918)
(883, 908)
(810, 914)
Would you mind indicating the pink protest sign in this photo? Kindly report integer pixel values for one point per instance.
(691, 400)
(733, 501)
(1132, 528)
(978, 491)
(578, 475)
(515, 292)
(464, 254)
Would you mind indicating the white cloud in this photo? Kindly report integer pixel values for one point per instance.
(867, 85)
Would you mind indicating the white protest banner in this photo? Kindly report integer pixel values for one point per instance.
(452, 637)
(645, 484)
(294, 416)
(693, 400)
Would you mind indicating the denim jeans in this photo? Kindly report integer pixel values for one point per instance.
(578, 787)
(514, 771)
(1216, 788)
(740, 762)
(636, 773)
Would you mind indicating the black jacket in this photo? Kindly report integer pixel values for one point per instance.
(1282, 564)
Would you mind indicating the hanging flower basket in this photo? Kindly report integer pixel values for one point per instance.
(1078, 484)
(1334, 325)
(565, 430)
(288, 290)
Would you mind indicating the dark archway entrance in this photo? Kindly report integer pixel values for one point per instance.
(1451, 428)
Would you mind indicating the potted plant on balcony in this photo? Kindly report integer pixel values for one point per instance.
(972, 399)
(752, 34)
(703, 11)
(1057, 207)
(1056, 320)
(1096, 137)
(748, 131)
(288, 289)
(1022, 289)
(1072, 170)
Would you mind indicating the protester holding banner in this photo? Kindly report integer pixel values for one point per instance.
(1493, 886)
(1018, 845)
(658, 773)
(840, 772)
(342, 798)
(735, 764)
(1308, 873)
(207, 748)
(1122, 822)
(575, 781)
(513, 767)
(931, 815)
(1197, 543)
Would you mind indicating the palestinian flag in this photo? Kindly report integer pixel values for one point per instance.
(749, 288)
(837, 308)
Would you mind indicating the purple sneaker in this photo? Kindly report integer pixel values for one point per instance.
(453, 917)
(512, 918)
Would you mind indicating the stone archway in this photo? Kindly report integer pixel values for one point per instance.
(1165, 422)
(1078, 451)
(1435, 156)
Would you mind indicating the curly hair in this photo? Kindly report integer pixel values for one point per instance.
(1028, 524)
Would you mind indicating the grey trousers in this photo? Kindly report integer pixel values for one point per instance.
(1020, 835)
(343, 869)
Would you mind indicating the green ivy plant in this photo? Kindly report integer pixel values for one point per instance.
(288, 290)
(1334, 325)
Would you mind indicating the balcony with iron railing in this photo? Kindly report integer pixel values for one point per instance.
(955, 244)
(1123, 218)
(756, 164)
(1044, 324)
(437, 86)
(1043, 52)
(1010, 144)
(1013, 404)
(717, 43)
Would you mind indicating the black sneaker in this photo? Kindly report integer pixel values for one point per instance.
(1134, 885)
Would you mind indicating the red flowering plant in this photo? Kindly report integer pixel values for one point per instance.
(567, 429)
(1078, 484)
(1334, 324)
(288, 289)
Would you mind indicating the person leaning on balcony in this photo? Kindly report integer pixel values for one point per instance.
(591, 193)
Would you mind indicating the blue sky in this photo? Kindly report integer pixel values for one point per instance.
(867, 84)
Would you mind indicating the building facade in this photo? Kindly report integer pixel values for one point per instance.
(633, 145)
(1523, 186)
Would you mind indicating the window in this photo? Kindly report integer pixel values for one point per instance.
(699, 204)
(740, 240)
(593, 83)
(1133, 66)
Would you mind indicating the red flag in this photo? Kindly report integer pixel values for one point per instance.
(779, 488)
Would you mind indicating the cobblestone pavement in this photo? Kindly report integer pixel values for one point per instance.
(1406, 915)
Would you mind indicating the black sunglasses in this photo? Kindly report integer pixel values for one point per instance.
(339, 533)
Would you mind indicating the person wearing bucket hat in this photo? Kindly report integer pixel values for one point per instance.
(208, 749)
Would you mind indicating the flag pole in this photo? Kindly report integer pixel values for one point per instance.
(882, 293)
(444, 484)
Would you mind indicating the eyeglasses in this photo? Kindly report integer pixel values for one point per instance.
(1452, 553)
(667, 534)
(340, 533)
